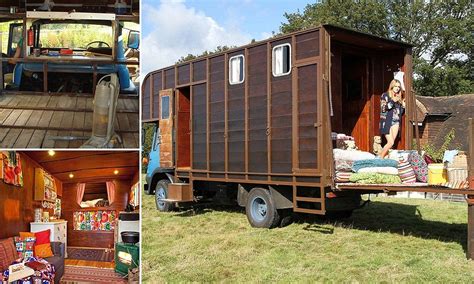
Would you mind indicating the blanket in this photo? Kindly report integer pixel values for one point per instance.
(380, 170)
(373, 163)
(351, 155)
(374, 178)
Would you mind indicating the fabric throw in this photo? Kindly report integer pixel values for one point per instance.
(351, 155)
(374, 178)
(380, 170)
(419, 166)
(371, 163)
(343, 176)
(462, 184)
(25, 246)
(406, 173)
(7, 253)
(343, 165)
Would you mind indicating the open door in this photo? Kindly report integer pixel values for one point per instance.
(183, 130)
(166, 129)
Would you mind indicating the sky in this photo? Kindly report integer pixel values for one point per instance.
(175, 28)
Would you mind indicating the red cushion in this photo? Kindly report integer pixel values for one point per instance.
(42, 237)
(7, 253)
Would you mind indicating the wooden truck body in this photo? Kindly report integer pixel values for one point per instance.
(259, 118)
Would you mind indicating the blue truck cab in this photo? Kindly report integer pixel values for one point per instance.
(73, 45)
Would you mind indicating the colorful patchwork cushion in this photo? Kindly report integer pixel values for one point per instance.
(25, 246)
(7, 253)
(405, 172)
(419, 166)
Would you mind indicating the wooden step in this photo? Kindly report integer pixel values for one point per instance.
(310, 211)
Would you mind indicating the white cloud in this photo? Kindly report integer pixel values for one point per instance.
(177, 30)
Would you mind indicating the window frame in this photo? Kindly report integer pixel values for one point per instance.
(243, 70)
(273, 60)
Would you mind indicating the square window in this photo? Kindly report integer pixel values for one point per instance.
(236, 69)
(165, 107)
(281, 60)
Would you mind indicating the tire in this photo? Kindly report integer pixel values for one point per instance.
(261, 210)
(161, 192)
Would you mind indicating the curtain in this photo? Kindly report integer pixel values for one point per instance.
(80, 192)
(110, 192)
(278, 60)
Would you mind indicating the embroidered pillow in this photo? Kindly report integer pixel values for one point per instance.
(419, 166)
(25, 246)
(405, 172)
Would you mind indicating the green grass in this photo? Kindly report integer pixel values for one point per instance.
(390, 240)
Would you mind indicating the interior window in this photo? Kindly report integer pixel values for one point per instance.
(281, 60)
(165, 107)
(236, 69)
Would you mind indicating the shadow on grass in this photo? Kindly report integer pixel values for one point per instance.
(394, 218)
(204, 208)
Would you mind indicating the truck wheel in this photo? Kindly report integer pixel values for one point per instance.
(261, 210)
(161, 192)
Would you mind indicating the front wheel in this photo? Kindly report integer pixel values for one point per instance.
(161, 192)
(261, 210)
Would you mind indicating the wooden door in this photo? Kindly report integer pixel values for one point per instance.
(356, 104)
(166, 128)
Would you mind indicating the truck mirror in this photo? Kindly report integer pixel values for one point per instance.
(133, 40)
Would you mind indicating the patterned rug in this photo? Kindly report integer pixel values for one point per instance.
(90, 254)
(80, 274)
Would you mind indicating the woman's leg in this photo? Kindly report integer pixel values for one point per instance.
(391, 136)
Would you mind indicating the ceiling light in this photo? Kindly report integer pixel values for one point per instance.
(51, 153)
(71, 175)
(116, 172)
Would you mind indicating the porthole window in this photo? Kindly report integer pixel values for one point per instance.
(281, 60)
(165, 107)
(236, 69)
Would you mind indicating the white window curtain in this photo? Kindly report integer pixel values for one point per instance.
(235, 70)
(110, 191)
(278, 60)
(81, 187)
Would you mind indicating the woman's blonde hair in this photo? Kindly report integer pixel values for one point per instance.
(390, 87)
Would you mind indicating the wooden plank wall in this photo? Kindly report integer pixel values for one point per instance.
(83, 238)
(17, 204)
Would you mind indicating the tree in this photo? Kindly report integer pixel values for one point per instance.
(440, 30)
(205, 53)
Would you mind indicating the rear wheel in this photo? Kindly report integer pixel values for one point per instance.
(161, 192)
(261, 210)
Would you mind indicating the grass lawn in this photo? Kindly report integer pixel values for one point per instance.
(389, 240)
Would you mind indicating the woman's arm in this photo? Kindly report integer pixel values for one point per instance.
(386, 103)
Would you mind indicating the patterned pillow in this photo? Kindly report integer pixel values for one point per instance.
(25, 246)
(405, 172)
(419, 166)
(7, 253)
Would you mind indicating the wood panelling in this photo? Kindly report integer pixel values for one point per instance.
(183, 74)
(146, 93)
(92, 239)
(157, 84)
(183, 127)
(199, 127)
(217, 113)
(17, 203)
(166, 131)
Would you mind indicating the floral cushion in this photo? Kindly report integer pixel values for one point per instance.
(419, 166)
(25, 246)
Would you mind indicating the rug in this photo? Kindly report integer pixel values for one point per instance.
(80, 274)
(90, 254)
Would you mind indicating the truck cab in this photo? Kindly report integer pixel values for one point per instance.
(61, 45)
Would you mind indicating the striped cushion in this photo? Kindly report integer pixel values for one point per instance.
(343, 176)
(7, 253)
(405, 172)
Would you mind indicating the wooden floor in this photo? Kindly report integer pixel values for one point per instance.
(39, 121)
(88, 263)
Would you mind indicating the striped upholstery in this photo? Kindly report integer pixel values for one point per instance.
(405, 172)
(8, 253)
(343, 176)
